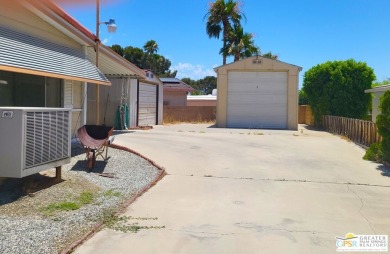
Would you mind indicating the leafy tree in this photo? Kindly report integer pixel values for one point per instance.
(221, 16)
(302, 98)
(147, 58)
(383, 124)
(270, 56)
(135, 55)
(208, 84)
(240, 44)
(337, 88)
(118, 49)
(202, 86)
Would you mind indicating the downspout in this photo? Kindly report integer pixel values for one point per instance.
(85, 95)
(137, 102)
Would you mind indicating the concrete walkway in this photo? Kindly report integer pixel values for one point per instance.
(251, 191)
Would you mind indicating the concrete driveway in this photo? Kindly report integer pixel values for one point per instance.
(251, 191)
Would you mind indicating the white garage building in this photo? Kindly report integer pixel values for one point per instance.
(258, 92)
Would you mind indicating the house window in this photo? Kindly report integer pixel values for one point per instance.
(23, 90)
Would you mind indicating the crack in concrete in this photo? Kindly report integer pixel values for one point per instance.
(204, 232)
(361, 208)
(285, 180)
(263, 229)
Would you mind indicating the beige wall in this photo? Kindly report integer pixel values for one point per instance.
(202, 103)
(173, 98)
(375, 105)
(267, 65)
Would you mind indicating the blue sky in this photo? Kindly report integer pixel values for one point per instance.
(301, 32)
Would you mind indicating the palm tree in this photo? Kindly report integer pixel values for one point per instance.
(240, 44)
(220, 17)
(270, 56)
(151, 47)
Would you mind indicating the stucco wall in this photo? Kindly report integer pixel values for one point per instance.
(375, 105)
(175, 98)
(202, 103)
(266, 65)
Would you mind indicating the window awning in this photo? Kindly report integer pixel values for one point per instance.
(26, 54)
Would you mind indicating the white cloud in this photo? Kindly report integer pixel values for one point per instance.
(106, 40)
(195, 72)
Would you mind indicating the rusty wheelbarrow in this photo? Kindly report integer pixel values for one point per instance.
(95, 140)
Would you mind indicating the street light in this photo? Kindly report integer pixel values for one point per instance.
(111, 26)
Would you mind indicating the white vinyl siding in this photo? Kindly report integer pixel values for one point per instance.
(147, 111)
(22, 53)
(257, 100)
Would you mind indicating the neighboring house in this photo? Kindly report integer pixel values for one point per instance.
(377, 93)
(203, 100)
(47, 59)
(175, 92)
(258, 92)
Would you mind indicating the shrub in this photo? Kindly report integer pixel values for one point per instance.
(337, 88)
(374, 153)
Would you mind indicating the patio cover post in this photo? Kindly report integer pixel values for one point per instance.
(97, 60)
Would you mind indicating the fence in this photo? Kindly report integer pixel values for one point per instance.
(305, 115)
(195, 114)
(362, 132)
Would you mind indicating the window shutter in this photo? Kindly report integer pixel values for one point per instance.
(68, 94)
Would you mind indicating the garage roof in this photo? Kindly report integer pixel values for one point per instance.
(256, 63)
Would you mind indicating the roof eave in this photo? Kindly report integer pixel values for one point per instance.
(56, 16)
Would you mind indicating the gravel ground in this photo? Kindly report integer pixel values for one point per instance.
(28, 228)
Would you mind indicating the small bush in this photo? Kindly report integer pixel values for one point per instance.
(374, 153)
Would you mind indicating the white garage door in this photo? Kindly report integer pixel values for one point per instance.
(257, 100)
(147, 107)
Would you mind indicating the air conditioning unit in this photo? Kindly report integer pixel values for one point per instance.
(33, 140)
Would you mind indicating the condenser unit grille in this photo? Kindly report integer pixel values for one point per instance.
(47, 137)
